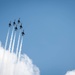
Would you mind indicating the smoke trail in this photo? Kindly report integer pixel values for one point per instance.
(8, 60)
(16, 54)
(23, 67)
(11, 39)
(13, 42)
(7, 39)
(18, 44)
(3, 54)
(19, 55)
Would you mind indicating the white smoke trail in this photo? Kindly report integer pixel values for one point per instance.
(13, 42)
(23, 67)
(3, 54)
(18, 44)
(7, 39)
(19, 55)
(1, 62)
(11, 39)
(5, 44)
(13, 51)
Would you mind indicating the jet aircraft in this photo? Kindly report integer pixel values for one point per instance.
(23, 33)
(19, 20)
(16, 28)
(10, 24)
(14, 23)
(21, 26)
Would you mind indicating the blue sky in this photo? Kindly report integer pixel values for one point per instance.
(50, 32)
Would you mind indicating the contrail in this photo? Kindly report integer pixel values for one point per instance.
(13, 42)
(13, 50)
(3, 56)
(12, 63)
(23, 67)
(11, 39)
(16, 53)
(18, 44)
(7, 39)
(19, 55)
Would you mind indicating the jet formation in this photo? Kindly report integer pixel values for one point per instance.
(16, 26)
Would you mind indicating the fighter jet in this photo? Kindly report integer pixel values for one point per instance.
(10, 24)
(23, 33)
(19, 20)
(16, 28)
(14, 23)
(21, 26)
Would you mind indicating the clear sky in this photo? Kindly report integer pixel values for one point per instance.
(50, 32)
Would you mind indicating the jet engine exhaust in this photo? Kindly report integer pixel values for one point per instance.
(20, 49)
(7, 39)
(18, 44)
(11, 40)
